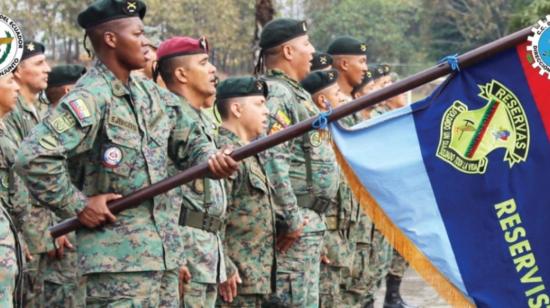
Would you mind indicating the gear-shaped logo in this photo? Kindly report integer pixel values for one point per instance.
(540, 46)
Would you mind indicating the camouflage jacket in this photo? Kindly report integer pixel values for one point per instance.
(202, 250)
(289, 104)
(120, 134)
(19, 124)
(249, 237)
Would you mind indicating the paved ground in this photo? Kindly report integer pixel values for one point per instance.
(415, 292)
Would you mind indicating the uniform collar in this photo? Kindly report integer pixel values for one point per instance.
(222, 131)
(117, 87)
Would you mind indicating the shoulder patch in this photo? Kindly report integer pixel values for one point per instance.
(62, 123)
(79, 109)
(281, 121)
(49, 142)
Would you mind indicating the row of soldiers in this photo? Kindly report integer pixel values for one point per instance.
(279, 229)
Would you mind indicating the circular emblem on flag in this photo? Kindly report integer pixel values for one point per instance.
(11, 45)
(540, 46)
(112, 157)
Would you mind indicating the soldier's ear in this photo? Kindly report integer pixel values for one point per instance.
(235, 109)
(320, 101)
(180, 75)
(288, 51)
(109, 38)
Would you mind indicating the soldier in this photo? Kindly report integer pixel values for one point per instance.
(32, 76)
(286, 53)
(338, 249)
(367, 86)
(350, 59)
(321, 62)
(153, 35)
(116, 126)
(13, 203)
(61, 80)
(184, 66)
(257, 194)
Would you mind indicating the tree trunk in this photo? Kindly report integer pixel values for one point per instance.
(265, 11)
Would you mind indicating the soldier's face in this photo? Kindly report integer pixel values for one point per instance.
(33, 73)
(254, 114)
(302, 55)
(9, 89)
(201, 75)
(357, 69)
(131, 44)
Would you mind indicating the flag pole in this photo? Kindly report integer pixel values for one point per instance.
(404, 85)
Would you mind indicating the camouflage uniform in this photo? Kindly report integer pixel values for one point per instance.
(58, 276)
(120, 134)
(249, 235)
(203, 201)
(372, 252)
(13, 208)
(338, 247)
(398, 265)
(315, 181)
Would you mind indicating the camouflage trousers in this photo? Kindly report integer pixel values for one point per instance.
(370, 266)
(8, 269)
(199, 295)
(398, 265)
(53, 282)
(298, 272)
(136, 289)
(246, 301)
(330, 290)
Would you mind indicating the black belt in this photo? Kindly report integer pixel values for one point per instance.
(317, 204)
(200, 220)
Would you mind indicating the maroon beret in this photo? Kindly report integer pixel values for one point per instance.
(181, 46)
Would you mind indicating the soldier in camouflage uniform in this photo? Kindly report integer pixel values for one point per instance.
(13, 203)
(32, 76)
(115, 124)
(338, 249)
(183, 65)
(258, 195)
(61, 80)
(370, 254)
(286, 53)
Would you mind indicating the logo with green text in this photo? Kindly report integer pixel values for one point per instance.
(11, 45)
(468, 136)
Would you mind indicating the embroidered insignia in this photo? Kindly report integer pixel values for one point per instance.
(468, 136)
(48, 142)
(112, 157)
(80, 109)
(63, 123)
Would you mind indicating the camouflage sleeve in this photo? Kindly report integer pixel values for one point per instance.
(188, 146)
(232, 184)
(13, 193)
(69, 130)
(286, 205)
(282, 115)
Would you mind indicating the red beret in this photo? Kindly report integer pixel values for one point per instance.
(180, 46)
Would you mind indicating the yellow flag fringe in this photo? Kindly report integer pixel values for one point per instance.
(401, 242)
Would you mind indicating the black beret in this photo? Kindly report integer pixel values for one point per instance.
(380, 71)
(65, 74)
(103, 11)
(320, 61)
(240, 87)
(347, 45)
(281, 30)
(31, 49)
(319, 80)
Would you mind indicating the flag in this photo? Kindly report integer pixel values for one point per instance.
(460, 182)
